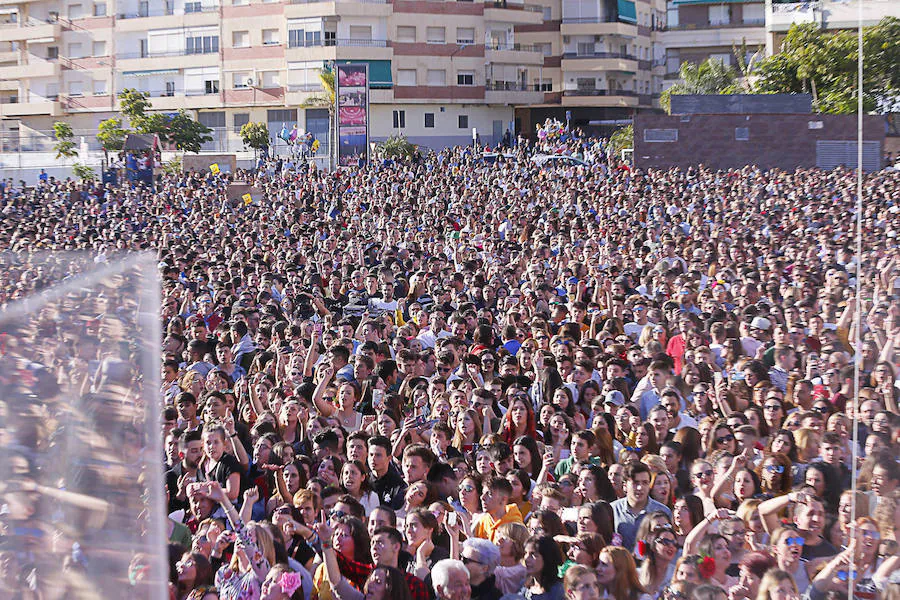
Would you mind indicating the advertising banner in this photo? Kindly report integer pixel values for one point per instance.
(352, 111)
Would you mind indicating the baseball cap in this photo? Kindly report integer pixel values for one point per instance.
(614, 397)
(760, 323)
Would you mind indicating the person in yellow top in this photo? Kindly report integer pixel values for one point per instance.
(497, 510)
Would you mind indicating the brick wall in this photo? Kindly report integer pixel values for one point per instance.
(775, 141)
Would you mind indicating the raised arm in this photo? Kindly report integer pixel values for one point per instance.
(693, 538)
(326, 409)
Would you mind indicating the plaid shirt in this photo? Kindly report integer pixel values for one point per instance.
(357, 573)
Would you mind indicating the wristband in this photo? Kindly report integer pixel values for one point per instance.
(233, 435)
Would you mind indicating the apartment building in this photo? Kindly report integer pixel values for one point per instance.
(827, 14)
(438, 69)
(700, 29)
(602, 59)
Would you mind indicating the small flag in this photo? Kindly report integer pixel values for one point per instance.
(247, 198)
(214, 168)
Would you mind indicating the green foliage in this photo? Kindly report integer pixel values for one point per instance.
(824, 64)
(83, 172)
(111, 135)
(65, 147)
(712, 76)
(397, 147)
(174, 166)
(327, 98)
(621, 139)
(255, 135)
(186, 134)
(134, 105)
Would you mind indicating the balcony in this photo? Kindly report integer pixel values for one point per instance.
(32, 69)
(349, 8)
(29, 31)
(596, 26)
(511, 92)
(524, 54)
(146, 14)
(603, 98)
(163, 19)
(340, 48)
(718, 35)
(780, 17)
(516, 13)
(600, 61)
(140, 61)
(52, 108)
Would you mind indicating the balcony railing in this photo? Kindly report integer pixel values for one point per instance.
(577, 20)
(167, 12)
(508, 86)
(338, 42)
(513, 5)
(594, 92)
(319, 1)
(513, 47)
(305, 87)
(600, 55)
(708, 25)
(130, 55)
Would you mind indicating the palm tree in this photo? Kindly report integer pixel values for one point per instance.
(712, 76)
(325, 99)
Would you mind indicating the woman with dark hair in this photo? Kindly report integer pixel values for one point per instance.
(350, 539)
(775, 474)
(596, 517)
(658, 550)
(564, 401)
(691, 445)
(519, 420)
(645, 440)
(825, 479)
(193, 570)
(549, 380)
(545, 522)
(543, 558)
(521, 485)
(527, 456)
(782, 441)
(282, 584)
(687, 514)
(594, 485)
(355, 481)
(419, 527)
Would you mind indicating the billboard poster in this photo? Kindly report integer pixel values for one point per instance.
(352, 99)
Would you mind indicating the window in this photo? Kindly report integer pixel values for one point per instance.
(435, 35)
(270, 79)
(546, 48)
(240, 79)
(283, 115)
(754, 13)
(463, 121)
(240, 39)
(741, 134)
(719, 14)
(76, 11)
(52, 53)
(304, 76)
(406, 33)
(361, 32)
(586, 84)
(240, 2)
(240, 119)
(465, 78)
(548, 13)
(211, 86)
(98, 49)
(723, 57)
(271, 37)
(100, 9)
(76, 88)
(585, 48)
(437, 77)
(406, 77)
(304, 32)
(465, 35)
(192, 7)
(399, 119)
(170, 88)
(75, 51)
(543, 85)
(207, 44)
(100, 87)
(429, 120)
(213, 120)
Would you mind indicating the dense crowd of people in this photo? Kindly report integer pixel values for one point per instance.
(455, 379)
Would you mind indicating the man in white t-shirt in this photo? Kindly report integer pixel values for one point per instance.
(634, 329)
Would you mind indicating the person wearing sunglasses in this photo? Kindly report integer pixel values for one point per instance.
(658, 551)
(775, 474)
(787, 547)
(481, 557)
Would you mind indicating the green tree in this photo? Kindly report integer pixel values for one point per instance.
(65, 147)
(111, 136)
(621, 139)
(255, 135)
(134, 105)
(397, 147)
(83, 172)
(712, 76)
(824, 64)
(187, 134)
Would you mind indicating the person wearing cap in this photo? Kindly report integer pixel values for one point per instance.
(757, 334)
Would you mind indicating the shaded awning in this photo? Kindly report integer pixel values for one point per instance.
(684, 2)
(627, 12)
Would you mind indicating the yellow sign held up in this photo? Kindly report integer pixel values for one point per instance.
(214, 168)
(247, 198)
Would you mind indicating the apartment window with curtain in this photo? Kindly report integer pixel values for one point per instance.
(271, 37)
(429, 120)
(240, 39)
(465, 35)
(399, 119)
(719, 14)
(100, 9)
(435, 35)
(406, 34)
(207, 44)
(240, 119)
(406, 77)
(465, 78)
(437, 77)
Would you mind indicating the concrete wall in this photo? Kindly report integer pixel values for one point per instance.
(775, 141)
